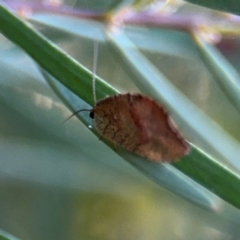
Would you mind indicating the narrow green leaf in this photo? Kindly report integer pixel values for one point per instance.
(232, 6)
(68, 71)
(227, 77)
(212, 175)
(6, 236)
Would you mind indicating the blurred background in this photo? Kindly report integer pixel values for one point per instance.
(57, 181)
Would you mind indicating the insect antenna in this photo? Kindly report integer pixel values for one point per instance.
(75, 113)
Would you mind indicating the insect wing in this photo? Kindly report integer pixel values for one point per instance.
(140, 125)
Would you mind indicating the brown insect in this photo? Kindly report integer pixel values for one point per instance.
(140, 125)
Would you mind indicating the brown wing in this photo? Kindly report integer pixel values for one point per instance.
(164, 142)
(140, 125)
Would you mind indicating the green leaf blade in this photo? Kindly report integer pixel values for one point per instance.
(68, 71)
(232, 6)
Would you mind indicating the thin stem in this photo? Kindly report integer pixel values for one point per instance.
(95, 58)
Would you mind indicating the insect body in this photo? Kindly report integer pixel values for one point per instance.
(139, 125)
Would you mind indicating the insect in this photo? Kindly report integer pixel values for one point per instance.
(138, 124)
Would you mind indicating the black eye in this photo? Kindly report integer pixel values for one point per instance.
(91, 114)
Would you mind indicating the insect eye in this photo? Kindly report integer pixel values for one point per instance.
(91, 114)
